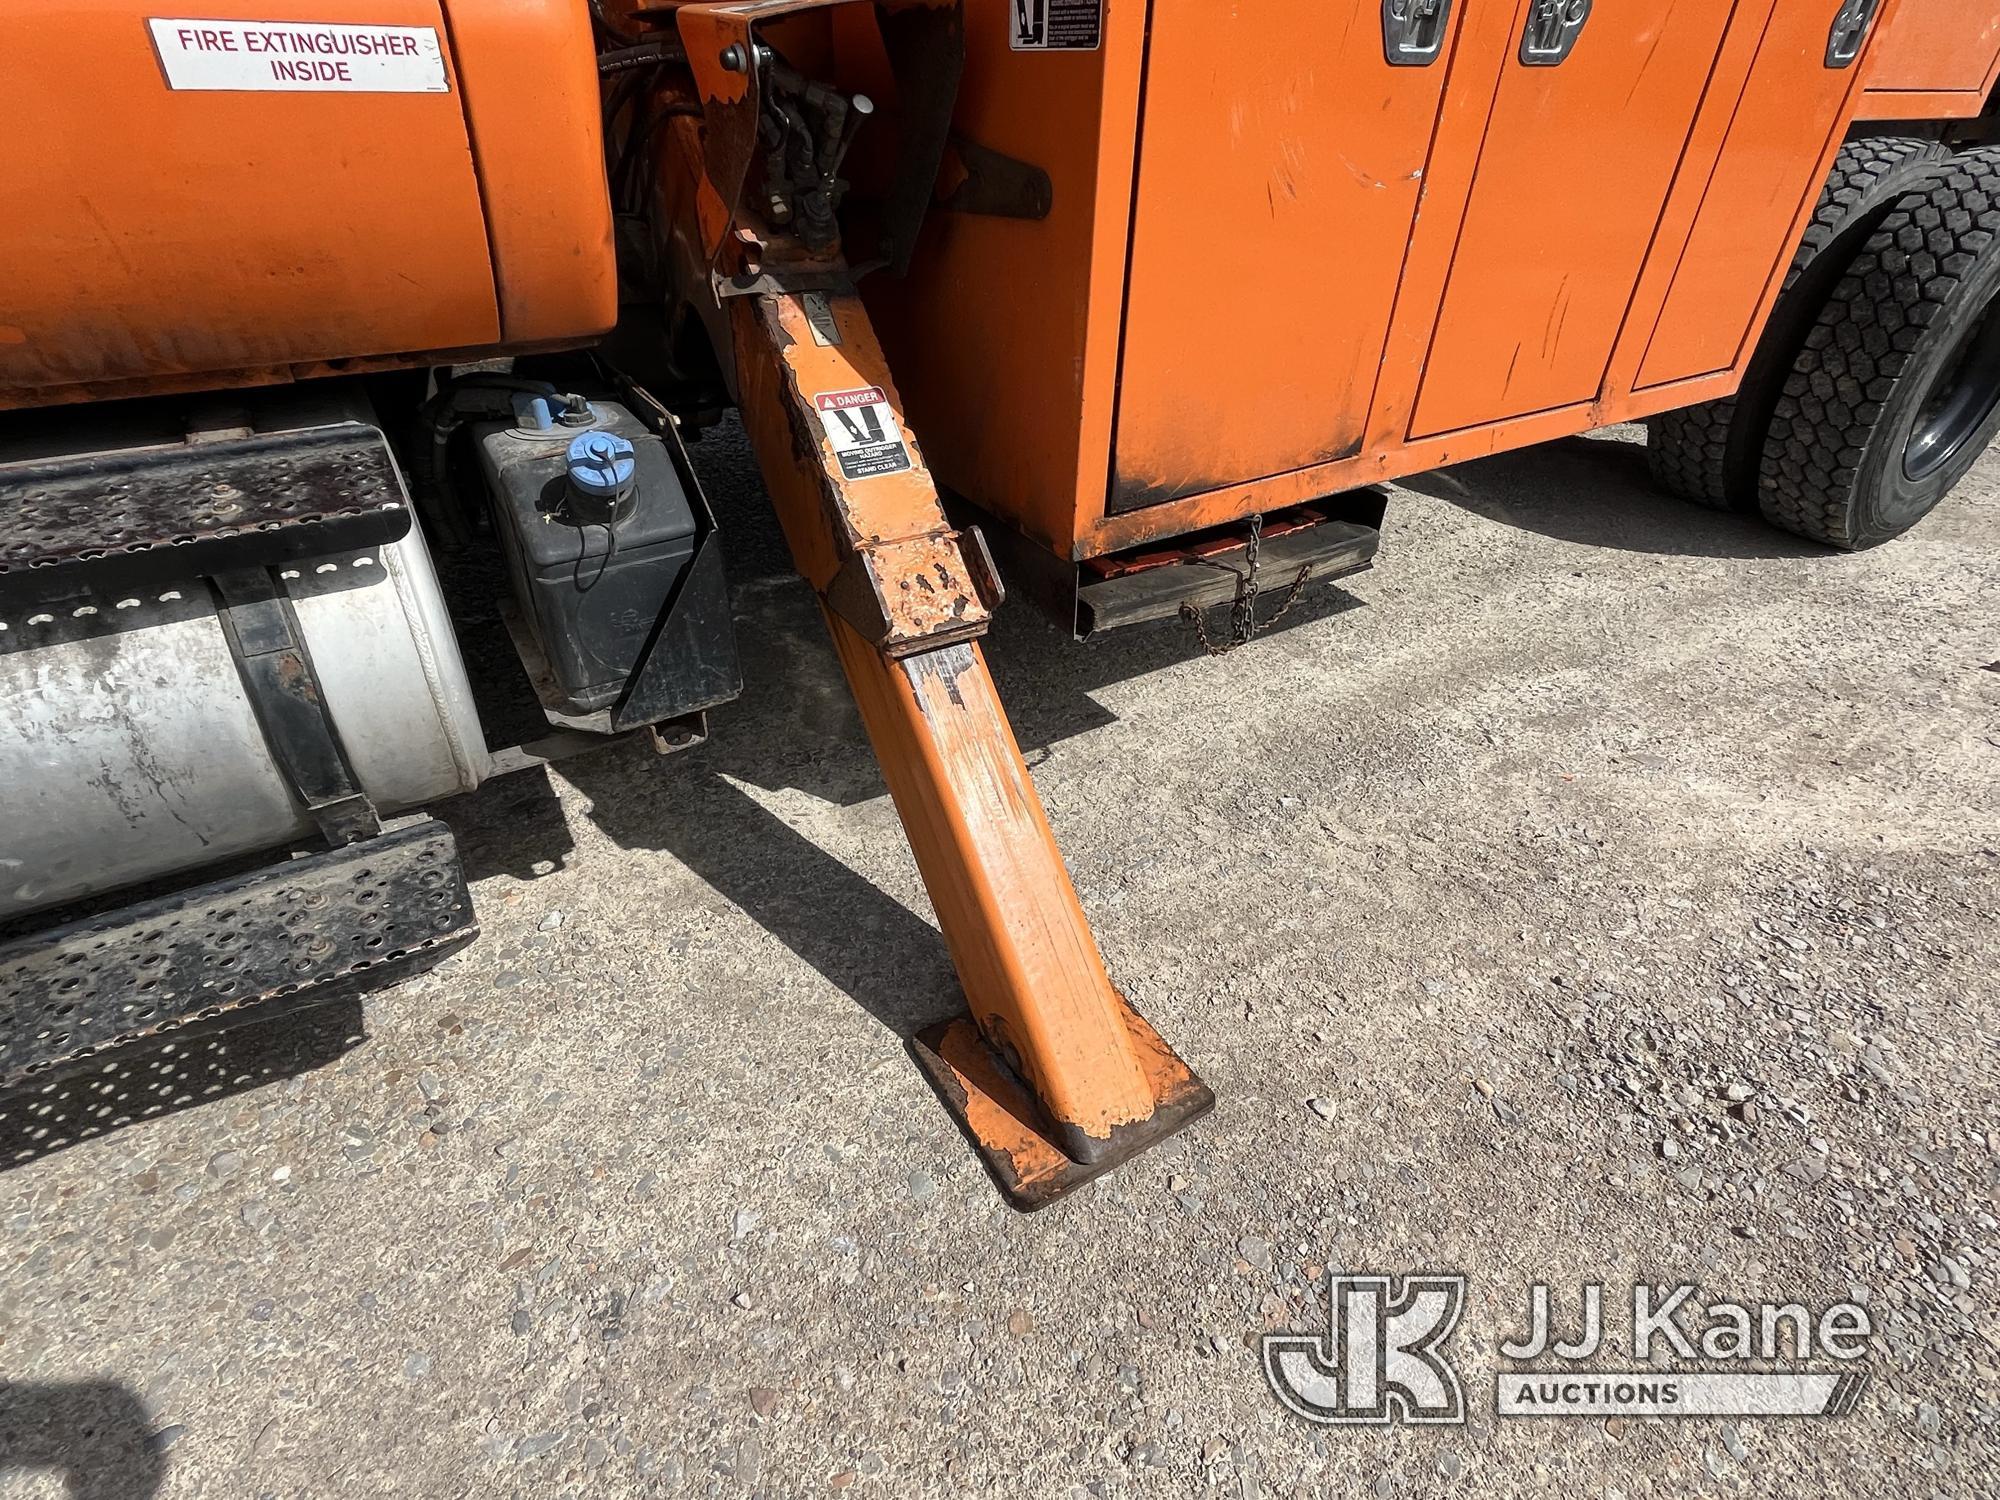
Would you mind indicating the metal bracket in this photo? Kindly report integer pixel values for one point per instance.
(779, 279)
(913, 594)
(263, 632)
(690, 662)
(1850, 29)
(925, 42)
(976, 179)
(1026, 1153)
(1413, 31)
(1552, 29)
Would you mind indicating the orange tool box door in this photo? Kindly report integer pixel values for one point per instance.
(1936, 46)
(1575, 166)
(1281, 157)
(1768, 168)
(218, 195)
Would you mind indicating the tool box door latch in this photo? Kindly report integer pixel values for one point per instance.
(1553, 27)
(1850, 29)
(1413, 31)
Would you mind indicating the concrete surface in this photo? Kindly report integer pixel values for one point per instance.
(1619, 878)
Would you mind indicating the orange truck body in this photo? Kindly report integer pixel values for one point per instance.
(1277, 266)
(1274, 265)
(1933, 60)
(212, 237)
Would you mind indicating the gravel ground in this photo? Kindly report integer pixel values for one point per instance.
(1619, 879)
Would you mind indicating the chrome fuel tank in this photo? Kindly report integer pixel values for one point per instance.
(130, 749)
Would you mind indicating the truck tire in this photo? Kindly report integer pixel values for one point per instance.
(1896, 391)
(1709, 453)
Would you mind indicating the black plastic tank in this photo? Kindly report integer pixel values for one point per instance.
(598, 531)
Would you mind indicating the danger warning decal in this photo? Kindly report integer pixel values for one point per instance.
(863, 432)
(1056, 25)
(299, 56)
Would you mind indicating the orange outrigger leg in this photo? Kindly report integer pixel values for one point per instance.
(1054, 1077)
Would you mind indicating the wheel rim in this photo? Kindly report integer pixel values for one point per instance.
(1960, 399)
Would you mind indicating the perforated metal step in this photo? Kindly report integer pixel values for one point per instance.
(139, 514)
(300, 932)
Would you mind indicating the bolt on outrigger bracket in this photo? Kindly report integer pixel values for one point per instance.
(1053, 1076)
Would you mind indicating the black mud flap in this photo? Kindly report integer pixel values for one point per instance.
(295, 934)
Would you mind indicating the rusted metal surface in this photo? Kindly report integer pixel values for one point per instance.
(303, 931)
(1012, 1134)
(1206, 548)
(909, 595)
(878, 548)
(862, 518)
(1221, 567)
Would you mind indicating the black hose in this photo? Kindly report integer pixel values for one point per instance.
(492, 380)
(645, 55)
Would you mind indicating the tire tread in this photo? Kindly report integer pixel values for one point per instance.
(1865, 336)
(1698, 452)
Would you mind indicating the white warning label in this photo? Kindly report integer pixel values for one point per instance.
(1056, 25)
(299, 56)
(863, 432)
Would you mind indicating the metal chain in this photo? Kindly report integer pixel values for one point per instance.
(1243, 623)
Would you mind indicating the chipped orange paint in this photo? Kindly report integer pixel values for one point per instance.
(1009, 1127)
(997, 1112)
(1033, 978)
(912, 594)
(878, 546)
(1032, 975)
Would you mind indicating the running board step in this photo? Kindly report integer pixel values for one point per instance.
(1152, 583)
(303, 932)
(137, 517)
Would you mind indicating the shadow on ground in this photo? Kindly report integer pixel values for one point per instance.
(168, 1074)
(1594, 490)
(796, 728)
(95, 1434)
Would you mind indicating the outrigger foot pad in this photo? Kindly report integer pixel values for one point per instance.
(1013, 1134)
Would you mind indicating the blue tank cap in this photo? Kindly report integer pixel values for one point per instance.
(531, 413)
(601, 464)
